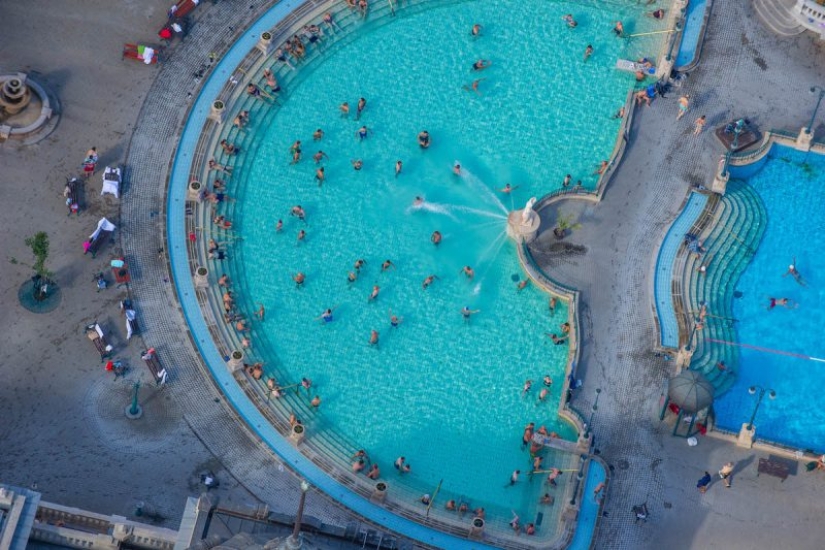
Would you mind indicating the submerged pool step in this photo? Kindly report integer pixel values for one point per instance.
(732, 243)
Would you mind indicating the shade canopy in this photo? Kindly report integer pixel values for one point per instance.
(691, 391)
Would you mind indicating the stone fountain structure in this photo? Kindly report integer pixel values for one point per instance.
(26, 109)
(523, 225)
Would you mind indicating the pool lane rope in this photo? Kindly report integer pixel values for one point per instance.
(767, 350)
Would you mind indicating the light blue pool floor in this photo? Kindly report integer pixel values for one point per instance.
(790, 186)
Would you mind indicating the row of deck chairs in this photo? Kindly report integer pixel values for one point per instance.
(176, 26)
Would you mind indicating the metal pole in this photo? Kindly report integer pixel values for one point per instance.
(756, 408)
(134, 408)
(593, 410)
(579, 478)
(294, 542)
(813, 116)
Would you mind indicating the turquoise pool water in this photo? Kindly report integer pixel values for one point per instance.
(444, 393)
(790, 185)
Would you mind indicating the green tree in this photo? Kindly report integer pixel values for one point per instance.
(40, 248)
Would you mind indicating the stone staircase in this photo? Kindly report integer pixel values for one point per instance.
(777, 16)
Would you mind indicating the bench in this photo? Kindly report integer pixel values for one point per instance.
(71, 193)
(150, 357)
(773, 467)
(97, 243)
(98, 338)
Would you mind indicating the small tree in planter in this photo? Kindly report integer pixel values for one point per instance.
(565, 224)
(42, 276)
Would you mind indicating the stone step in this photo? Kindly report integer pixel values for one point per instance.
(777, 16)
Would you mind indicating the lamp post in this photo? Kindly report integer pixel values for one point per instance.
(294, 542)
(593, 410)
(134, 411)
(818, 101)
(579, 478)
(762, 391)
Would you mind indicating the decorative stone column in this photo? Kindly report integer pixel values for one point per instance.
(746, 437)
(379, 493)
(265, 44)
(720, 179)
(201, 278)
(297, 434)
(218, 111)
(235, 362)
(194, 191)
(476, 529)
(804, 140)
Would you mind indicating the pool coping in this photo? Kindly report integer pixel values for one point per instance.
(186, 287)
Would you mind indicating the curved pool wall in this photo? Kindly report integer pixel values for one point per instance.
(690, 46)
(177, 235)
(665, 264)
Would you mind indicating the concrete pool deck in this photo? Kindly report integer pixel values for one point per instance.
(57, 398)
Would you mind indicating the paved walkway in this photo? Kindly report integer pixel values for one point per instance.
(62, 430)
(745, 72)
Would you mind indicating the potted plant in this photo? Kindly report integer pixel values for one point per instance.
(202, 271)
(195, 185)
(266, 36)
(564, 223)
(218, 105)
(237, 355)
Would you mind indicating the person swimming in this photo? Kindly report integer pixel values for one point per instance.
(436, 238)
(428, 281)
(424, 139)
(481, 64)
(326, 316)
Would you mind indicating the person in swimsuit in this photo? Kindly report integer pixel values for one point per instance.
(319, 176)
(318, 134)
(424, 139)
(481, 64)
(468, 271)
(428, 281)
(395, 320)
(436, 238)
(362, 103)
(618, 28)
(588, 51)
(570, 21)
(357, 164)
(362, 132)
(320, 155)
(476, 30)
(684, 102)
(508, 189)
(466, 312)
(326, 316)
(398, 166)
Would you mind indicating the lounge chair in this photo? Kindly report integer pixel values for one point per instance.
(111, 181)
(150, 55)
(150, 357)
(98, 338)
(99, 237)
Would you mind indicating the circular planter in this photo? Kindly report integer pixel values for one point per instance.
(266, 36)
(237, 355)
(195, 186)
(202, 271)
(218, 105)
(478, 523)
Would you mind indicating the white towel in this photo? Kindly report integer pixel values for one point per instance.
(148, 54)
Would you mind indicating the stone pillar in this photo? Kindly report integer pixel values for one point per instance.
(746, 437)
(201, 278)
(265, 44)
(476, 529)
(193, 192)
(218, 111)
(804, 140)
(235, 362)
(721, 177)
(297, 434)
(379, 493)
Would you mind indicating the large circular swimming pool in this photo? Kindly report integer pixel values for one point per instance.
(445, 392)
